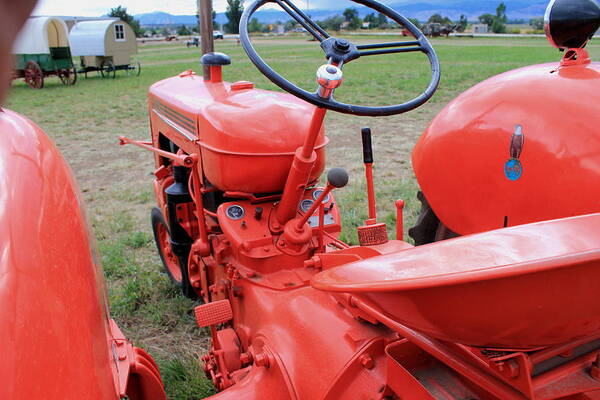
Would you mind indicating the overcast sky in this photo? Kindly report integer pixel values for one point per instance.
(96, 8)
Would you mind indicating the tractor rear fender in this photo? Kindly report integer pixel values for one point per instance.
(57, 339)
(520, 147)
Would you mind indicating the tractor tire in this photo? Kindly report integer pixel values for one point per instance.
(176, 267)
(429, 228)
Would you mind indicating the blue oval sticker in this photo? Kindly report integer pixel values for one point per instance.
(513, 169)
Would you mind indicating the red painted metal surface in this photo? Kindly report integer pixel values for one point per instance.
(57, 340)
(475, 289)
(460, 160)
(239, 132)
(481, 317)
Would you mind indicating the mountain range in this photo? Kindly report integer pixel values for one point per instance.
(422, 10)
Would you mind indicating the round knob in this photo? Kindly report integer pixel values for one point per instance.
(215, 59)
(337, 177)
(341, 45)
(329, 78)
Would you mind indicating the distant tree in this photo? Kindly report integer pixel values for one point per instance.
(487, 19)
(290, 25)
(415, 22)
(376, 21)
(350, 13)
(183, 31)
(255, 26)
(438, 18)
(499, 24)
(372, 20)
(165, 31)
(216, 25)
(121, 13)
(235, 9)
(537, 23)
(462, 23)
(332, 23)
(501, 13)
(351, 16)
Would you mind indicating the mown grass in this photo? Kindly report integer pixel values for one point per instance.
(85, 121)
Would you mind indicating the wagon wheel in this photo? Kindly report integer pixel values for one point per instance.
(107, 69)
(68, 76)
(34, 76)
(175, 266)
(134, 69)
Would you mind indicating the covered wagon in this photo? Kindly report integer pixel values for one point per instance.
(105, 46)
(41, 50)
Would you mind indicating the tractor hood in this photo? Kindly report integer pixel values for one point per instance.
(242, 132)
(520, 147)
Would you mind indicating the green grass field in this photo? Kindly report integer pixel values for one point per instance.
(86, 120)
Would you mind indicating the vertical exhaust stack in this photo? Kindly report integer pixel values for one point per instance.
(205, 21)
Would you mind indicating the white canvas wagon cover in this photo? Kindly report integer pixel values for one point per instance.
(39, 34)
(88, 38)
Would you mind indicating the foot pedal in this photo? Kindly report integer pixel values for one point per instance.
(214, 313)
(371, 235)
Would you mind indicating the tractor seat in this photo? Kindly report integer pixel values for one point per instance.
(521, 287)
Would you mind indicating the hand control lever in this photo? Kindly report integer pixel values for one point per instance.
(297, 233)
(336, 178)
(372, 233)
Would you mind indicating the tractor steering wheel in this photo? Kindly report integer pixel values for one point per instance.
(339, 52)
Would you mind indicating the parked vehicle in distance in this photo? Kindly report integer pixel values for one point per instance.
(218, 35)
(170, 38)
(104, 46)
(42, 50)
(435, 29)
(194, 42)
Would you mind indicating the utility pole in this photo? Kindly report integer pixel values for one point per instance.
(205, 20)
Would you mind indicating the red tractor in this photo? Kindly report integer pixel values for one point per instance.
(506, 311)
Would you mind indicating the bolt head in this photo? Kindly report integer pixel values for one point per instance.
(342, 45)
(367, 362)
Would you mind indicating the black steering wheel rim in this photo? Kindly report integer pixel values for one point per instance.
(330, 103)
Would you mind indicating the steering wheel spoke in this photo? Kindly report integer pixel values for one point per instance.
(311, 27)
(390, 48)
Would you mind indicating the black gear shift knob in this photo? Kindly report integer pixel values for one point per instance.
(337, 177)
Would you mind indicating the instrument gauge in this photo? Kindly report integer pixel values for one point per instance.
(306, 204)
(318, 192)
(235, 212)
